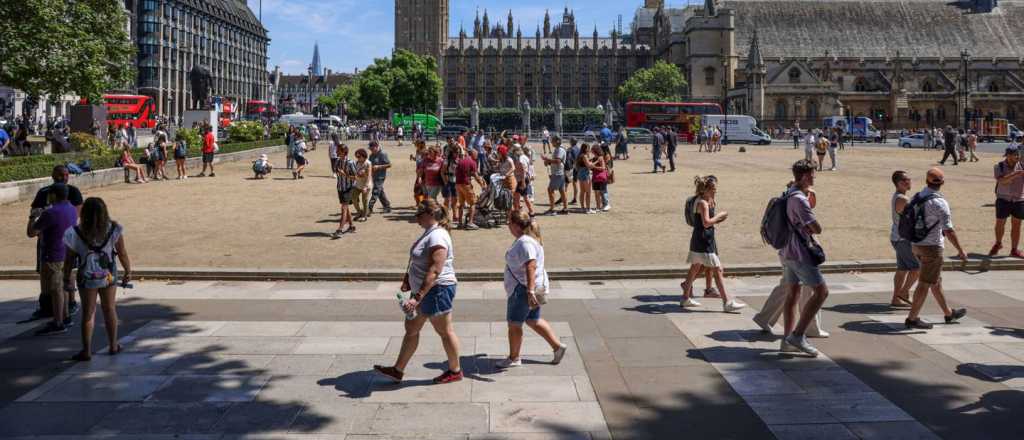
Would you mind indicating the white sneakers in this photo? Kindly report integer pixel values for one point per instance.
(732, 306)
(800, 344)
(689, 302)
(559, 354)
(509, 363)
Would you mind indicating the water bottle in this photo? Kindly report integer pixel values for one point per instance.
(401, 302)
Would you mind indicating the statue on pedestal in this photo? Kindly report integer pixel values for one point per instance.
(200, 80)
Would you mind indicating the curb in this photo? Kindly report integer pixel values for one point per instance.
(578, 274)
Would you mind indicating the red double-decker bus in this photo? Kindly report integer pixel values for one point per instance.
(679, 115)
(138, 111)
(256, 110)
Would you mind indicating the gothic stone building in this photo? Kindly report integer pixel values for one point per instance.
(916, 62)
(498, 66)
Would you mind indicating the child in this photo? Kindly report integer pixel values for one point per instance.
(363, 185)
(703, 249)
(262, 167)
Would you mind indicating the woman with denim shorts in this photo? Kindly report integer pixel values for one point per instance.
(431, 279)
(524, 275)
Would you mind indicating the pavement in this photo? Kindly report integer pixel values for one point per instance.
(292, 360)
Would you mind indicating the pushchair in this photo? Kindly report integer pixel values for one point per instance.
(494, 203)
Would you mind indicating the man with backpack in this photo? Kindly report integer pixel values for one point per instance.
(789, 225)
(50, 227)
(1009, 176)
(570, 169)
(40, 203)
(926, 222)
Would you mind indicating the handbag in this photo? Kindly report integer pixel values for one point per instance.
(814, 250)
(541, 291)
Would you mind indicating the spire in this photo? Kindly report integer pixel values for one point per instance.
(710, 8)
(547, 24)
(509, 27)
(595, 31)
(476, 24)
(487, 25)
(316, 60)
(755, 61)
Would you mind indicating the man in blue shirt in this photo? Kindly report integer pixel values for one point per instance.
(50, 228)
(606, 134)
(5, 140)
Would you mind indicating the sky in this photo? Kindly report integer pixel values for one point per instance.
(352, 33)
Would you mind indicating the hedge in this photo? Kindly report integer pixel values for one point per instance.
(33, 167)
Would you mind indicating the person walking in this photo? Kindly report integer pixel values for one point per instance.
(835, 143)
(431, 279)
(972, 146)
(810, 143)
(545, 139)
(363, 185)
(332, 153)
(50, 227)
(796, 136)
(671, 139)
(1009, 174)
(936, 221)
(556, 176)
(465, 174)
(658, 143)
(525, 277)
(209, 149)
(907, 267)
(299, 155)
(96, 245)
(381, 164)
(800, 266)
(703, 248)
(949, 144)
(180, 154)
(346, 172)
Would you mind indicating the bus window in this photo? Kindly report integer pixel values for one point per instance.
(670, 109)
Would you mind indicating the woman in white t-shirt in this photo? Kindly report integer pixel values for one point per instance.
(94, 245)
(431, 279)
(524, 276)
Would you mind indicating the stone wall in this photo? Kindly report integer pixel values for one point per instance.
(12, 192)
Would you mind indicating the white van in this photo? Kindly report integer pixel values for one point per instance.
(737, 128)
(297, 119)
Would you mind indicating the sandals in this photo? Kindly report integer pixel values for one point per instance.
(82, 356)
(900, 301)
(116, 350)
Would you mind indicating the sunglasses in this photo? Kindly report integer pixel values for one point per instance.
(936, 182)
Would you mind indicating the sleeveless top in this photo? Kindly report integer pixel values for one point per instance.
(702, 240)
(894, 233)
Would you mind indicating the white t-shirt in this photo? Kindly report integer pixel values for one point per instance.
(524, 249)
(419, 258)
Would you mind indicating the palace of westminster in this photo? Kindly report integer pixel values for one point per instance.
(916, 62)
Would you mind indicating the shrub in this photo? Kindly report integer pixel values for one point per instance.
(87, 143)
(191, 136)
(278, 130)
(245, 131)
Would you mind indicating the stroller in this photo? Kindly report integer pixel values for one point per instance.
(494, 203)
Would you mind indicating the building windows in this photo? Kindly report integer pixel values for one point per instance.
(860, 84)
(780, 110)
(812, 110)
(794, 75)
(709, 76)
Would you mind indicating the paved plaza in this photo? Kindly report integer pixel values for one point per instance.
(232, 221)
(292, 360)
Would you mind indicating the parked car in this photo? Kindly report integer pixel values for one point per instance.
(451, 130)
(912, 141)
(638, 135)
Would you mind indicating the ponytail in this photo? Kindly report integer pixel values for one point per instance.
(436, 210)
(529, 225)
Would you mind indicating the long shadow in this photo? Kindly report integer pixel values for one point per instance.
(1006, 331)
(363, 383)
(865, 309)
(317, 234)
(163, 382)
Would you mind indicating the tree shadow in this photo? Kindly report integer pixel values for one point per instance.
(865, 309)
(317, 234)
(1006, 331)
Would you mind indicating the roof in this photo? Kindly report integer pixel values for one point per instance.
(585, 42)
(878, 28)
(236, 12)
(334, 80)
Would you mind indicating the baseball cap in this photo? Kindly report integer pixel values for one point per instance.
(503, 150)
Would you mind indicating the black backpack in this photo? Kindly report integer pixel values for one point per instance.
(911, 226)
(775, 227)
(688, 210)
(570, 161)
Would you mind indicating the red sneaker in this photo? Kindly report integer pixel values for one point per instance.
(995, 249)
(1016, 253)
(391, 372)
(449, 376)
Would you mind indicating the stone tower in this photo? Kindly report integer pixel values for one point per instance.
(421, 26)
(757, 73)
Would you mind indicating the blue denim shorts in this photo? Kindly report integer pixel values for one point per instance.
(795, 272)
(905, 259)
(518, 310)
(438, 301)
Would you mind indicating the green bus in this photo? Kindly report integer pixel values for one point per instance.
(430, 123)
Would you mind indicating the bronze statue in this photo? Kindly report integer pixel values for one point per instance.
(200, 80)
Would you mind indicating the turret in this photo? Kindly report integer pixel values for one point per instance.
(486, 29)
(547, 24)
(509, 26)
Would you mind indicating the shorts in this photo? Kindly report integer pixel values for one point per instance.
(466, 194)
(931, 263)
(523, 188)
(179, 156)
(431, 191)
(600, 186)
(345, 197)
(583, 175)
(51, 278)
(438, 301)
(1006, 208)
(706, 259)
(556, 183)
(569, 176)
(207, 157)
(795, 272)
(905, 259)
(518, 310)
(448, 190)
(301, 161)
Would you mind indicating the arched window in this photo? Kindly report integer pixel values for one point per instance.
(794, 75)
(860, 84)
(928, 85)
(812, 110)
(780, 110)
(993, 86)
(709, 76)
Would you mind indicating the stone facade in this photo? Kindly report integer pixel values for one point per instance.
(172, 36)
(297, 92)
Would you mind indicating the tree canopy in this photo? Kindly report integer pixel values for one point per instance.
(61, 47)
(405, 82)
(663, 82)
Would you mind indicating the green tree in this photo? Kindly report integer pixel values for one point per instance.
(69, 46)
(374, 96)
(663, 82)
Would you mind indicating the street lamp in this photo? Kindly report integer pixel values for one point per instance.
(725, 97)
(965, 59)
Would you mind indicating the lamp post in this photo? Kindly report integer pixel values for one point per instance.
(309, 89)
(965, 59)
(725, 97)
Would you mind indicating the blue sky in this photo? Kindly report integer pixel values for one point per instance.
(354, 32)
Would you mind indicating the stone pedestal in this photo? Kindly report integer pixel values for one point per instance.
(201, 116)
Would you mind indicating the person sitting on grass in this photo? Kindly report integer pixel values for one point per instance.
(261, 167)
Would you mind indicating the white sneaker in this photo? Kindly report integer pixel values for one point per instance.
(764, 325)
(509, 363)
(786, 348)
(591, 211)
(559, 354)
(821, 334)
(607, 207)
(690, 302)
(802, 345)
(732, 306)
